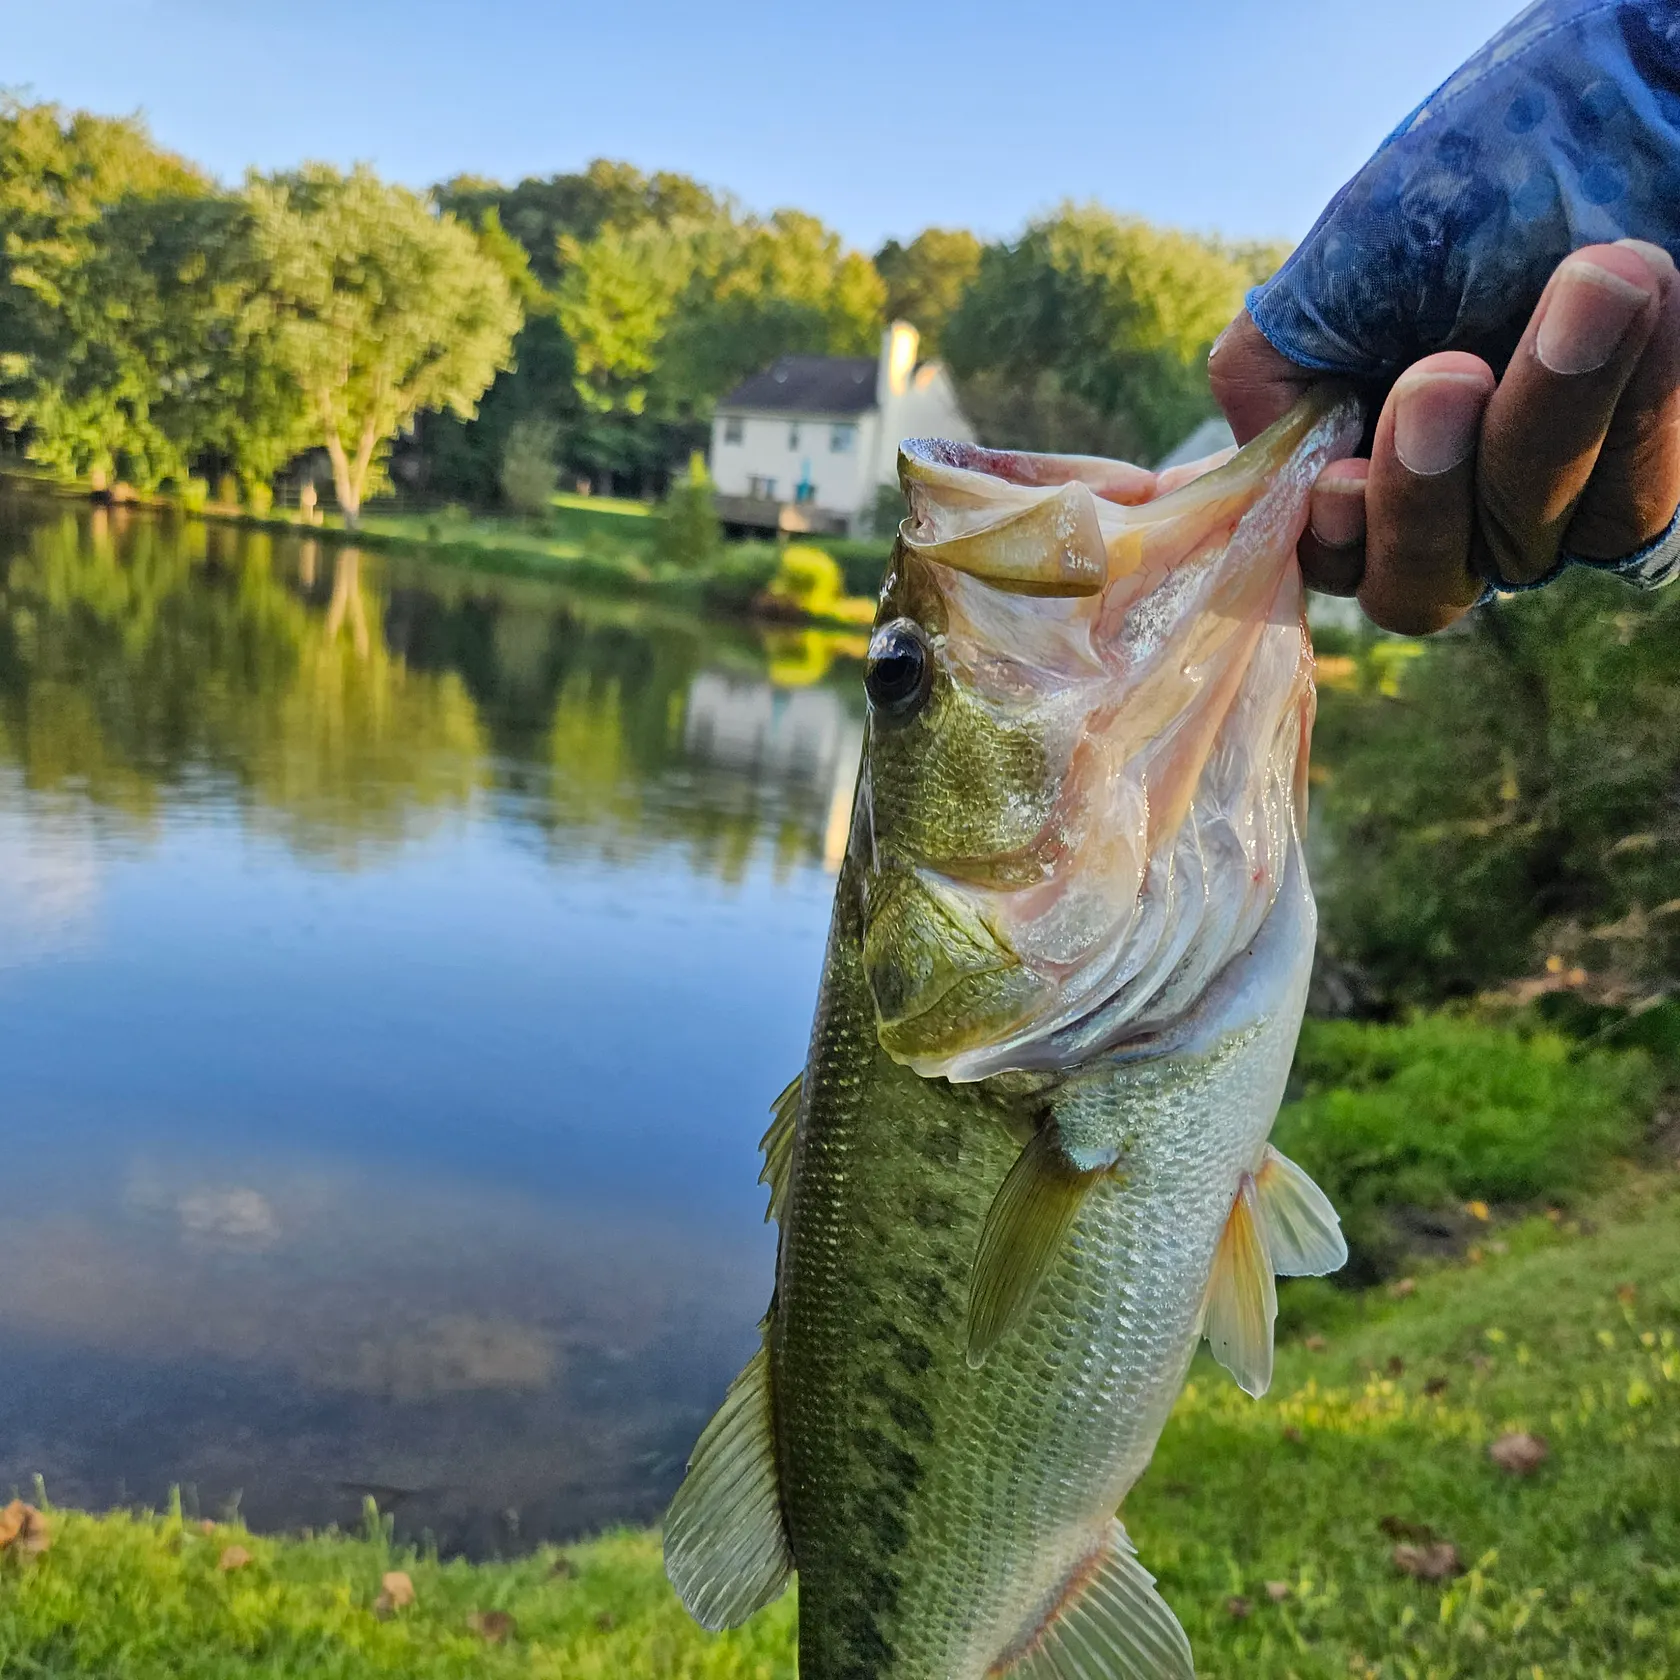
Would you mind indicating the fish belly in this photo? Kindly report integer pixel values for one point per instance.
(935, 1510)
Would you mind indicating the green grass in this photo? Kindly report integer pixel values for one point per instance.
(1573, 1572)
(1440, 1110)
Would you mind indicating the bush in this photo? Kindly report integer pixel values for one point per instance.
(529, 476)
(741, 574)
(195, 494)
(259, 498)
(691, 537)
(1396, 1121)
(862, 562)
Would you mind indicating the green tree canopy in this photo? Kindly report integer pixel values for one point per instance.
(1092, 331)
(926, 279)
(383, 308)
(71, 374)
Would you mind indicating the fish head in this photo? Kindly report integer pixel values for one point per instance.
(1088, 710)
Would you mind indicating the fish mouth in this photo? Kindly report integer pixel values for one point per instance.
(1164, 633)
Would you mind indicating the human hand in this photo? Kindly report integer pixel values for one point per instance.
(1476, 478)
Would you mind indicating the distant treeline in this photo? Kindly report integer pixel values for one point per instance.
(158, 328)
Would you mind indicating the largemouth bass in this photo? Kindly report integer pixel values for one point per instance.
(1025, 1168)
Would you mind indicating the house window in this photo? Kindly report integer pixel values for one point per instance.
(793, 435)
(732, 429)
(841, 438)
(761, 489)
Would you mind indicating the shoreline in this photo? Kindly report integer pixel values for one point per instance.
(734, 587)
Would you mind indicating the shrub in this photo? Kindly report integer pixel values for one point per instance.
(1441, 1111)
(529, 475)
(259, 498)
(194, 494)
(690, 536)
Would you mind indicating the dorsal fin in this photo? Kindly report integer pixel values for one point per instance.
(1023, 1233)
(777, 1146)
(726, 1545)
(1242, 1295)
(1303, 1234)
(1107, 1623)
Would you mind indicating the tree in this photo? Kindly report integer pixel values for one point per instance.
(71, 377)
(528, 475)
(691, 536)
(1092, 331)
(926, 279)
(382, 308)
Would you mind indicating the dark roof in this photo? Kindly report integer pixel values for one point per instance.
(809, 385)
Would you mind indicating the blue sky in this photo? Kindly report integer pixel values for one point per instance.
(1236, 115)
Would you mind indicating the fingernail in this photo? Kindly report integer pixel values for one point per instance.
(1338, 513)
(1587, 315)
(1655, 255)
(1436, 418)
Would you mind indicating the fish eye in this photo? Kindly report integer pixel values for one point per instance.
(900, 671)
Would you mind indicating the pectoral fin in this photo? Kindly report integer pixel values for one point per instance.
(1107, 1623)
(1025, 1226)
(726, 1545)
(1242, 1296)
(1303, 1234)
(777, 1146)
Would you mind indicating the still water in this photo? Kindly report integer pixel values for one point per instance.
(396, 966)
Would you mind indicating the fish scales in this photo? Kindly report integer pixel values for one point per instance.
(1006, 1218)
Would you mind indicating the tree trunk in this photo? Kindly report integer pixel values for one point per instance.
(344, 486)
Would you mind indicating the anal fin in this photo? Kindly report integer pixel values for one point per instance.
(726, 1545)
(1242, 1294)
(1023, 1233)
(1303, 1234)
(1107, 1623)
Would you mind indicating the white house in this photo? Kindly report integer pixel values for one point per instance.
(808, 444)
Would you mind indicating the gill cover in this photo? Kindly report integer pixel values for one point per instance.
(1083, 806)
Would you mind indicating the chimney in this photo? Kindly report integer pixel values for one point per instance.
(899, 344)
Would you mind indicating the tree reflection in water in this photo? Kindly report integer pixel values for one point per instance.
(345, 701)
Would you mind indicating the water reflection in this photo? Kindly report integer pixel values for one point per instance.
(396, 963)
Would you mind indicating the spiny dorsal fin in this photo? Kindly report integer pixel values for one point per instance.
(1025, 1226)
(777, 1146)
(1303, 1234)
(726, 1546)
(1242, 1295)
(1107, 1623)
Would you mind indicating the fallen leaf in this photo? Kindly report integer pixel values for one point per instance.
(494, 1627)
(1497, 1246)
(1478, 1210)
(396, 1592)
(1519, 1453)
(1291, 1433)
(205, 1526)
(1277, 1591)
(1405, 1287)
(24, 1527)
(1626, 1294)
(1436, 1561)
(1554, 1214)
(606, 1621)
(1474, 1255)
(1396, 1366)
(1239, 1609)
(233, 1557)
(1436, 1387)
(1398, 1528)
(1315, 1344)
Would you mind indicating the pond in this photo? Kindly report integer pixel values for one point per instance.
(396, 966)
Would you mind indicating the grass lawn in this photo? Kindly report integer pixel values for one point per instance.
(1376, 1433)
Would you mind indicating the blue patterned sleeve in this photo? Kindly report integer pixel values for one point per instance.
(1563, 131)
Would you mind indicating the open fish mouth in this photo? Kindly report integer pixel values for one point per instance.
(1153, 650)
